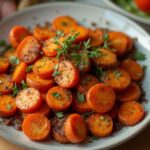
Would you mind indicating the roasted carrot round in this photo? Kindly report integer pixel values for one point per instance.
(79, 103)
(101, 98)
(44, 67)
(86, 82)
(131, 93)
(36, 127)
(43, 85)
(96, 37)
(58, 98)
(6, 84)
(75, 128)
(7, 106)
(63, 22)
(4, 64)
(19, 73)
(119, 42)
(28, 100)
(43, 33)
(118, 79)
(28, 50)
(81, 31)
(67, 75)
(106, 59)
(43, 110)
(133, 68)
(10, 53)
(100, 125)
(58, 131)
(17, 34)
(130, 113)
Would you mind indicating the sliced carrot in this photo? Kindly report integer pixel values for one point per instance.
(7, 106)
(63, 22)
(17, 34)
(28, 100)
(80, 104)
(131, 93)
(19, 73)
(28, 50)
(10, 53)
(118, 79)
(43, 33)
(101, 98)
(4, 64)
(86, 82)
(119, 42)
(68, 75)
(113, 112)
(130, 113)
(75, 128)
(36, 127)
(59, 98)
(100, 125)
(96, 37)
(43, 85)
(44, 110)
(45, 66)
(133, 68)
(106, 59)
(6, 84)
(82, 33)
(58, 131)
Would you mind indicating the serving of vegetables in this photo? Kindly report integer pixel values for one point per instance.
(69, 81)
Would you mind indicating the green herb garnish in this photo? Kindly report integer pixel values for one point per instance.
(14, 60)
(59, 114)
(8, 107)
(56, 73)
(139, 56)
(80, 97)
(23, 84)
(56, 95)
(15, 90)
(29, 68)
(118, 74)
(106, 40)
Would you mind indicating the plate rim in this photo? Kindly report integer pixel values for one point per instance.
(5, 135)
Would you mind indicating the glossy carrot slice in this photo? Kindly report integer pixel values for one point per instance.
(86, 82)
(19, 73)
(101, 98)
(17, 34)
(106, 59)
(29, 50)
(44, 67)
(4, 64)
(100, 125)
(58, 98)
(58, 131)
(63, 22)
(75, 128)
(6, 84)
(118, 79)
(131, 93)
(36, 127)
(133, 68)
(43, 85)
(130, 113)
(43, 33)
(68, 75)
(96, 37)
(28, 100)
(7, 106)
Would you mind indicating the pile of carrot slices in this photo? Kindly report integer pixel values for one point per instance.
(70, 81)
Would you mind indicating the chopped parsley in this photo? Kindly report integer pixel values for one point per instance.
(8, 107)
(56, 73)
(23, 84)
(139, 56)
(29, 68)
(80, 97)
(14, 60)
(105, 39)
(59, 114)
(56, 95)
(15, 90)
(117, 73)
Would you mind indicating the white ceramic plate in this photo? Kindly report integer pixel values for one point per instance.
(81, 12)
(137, 18)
